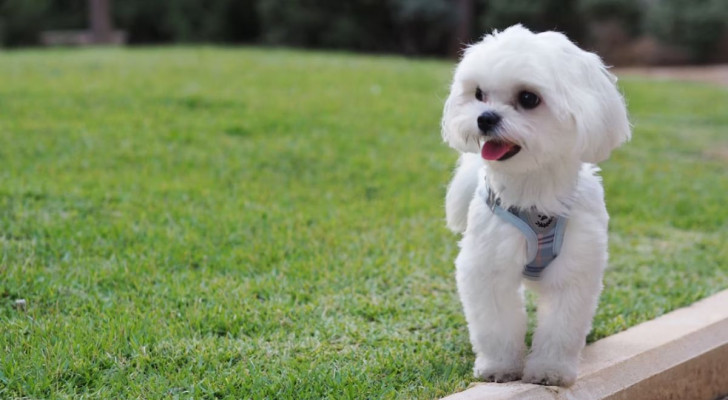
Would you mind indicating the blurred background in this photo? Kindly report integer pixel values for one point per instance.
(624, 32)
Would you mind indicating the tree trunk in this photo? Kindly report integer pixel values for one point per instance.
(463, 27)
(100, 17)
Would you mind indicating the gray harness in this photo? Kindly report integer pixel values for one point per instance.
(544, 234)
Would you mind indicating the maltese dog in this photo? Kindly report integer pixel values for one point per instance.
(531, 114)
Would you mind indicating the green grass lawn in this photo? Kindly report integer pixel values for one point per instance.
(227, 223)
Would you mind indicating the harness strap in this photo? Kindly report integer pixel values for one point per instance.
(544, 234)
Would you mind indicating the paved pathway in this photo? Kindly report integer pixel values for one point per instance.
(711, 74)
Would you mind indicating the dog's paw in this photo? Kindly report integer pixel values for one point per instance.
(497, 372)
(549, 374)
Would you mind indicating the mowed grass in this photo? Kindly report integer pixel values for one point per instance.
(247, 223)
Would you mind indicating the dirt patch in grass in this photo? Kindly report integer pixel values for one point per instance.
(720, 153)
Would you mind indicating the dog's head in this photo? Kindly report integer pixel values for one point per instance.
(524, 100)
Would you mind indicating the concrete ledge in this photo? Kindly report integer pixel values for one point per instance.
(680, 355)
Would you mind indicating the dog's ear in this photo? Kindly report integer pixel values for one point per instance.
(602, 122)
(451, 123)
(454, 122)
(593, 102)
(446, 124)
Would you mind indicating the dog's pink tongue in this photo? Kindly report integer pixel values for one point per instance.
(493, 150)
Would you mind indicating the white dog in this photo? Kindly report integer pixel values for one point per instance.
(531, 114)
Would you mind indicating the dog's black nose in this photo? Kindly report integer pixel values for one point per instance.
(488, 120)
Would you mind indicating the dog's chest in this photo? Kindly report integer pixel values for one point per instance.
(494, 238)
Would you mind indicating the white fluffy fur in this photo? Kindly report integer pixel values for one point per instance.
(581, 119)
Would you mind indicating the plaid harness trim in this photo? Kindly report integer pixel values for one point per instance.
(544, 234)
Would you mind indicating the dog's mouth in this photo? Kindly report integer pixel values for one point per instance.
(499, 150)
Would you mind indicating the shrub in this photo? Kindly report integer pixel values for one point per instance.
(561, 15)
(410, 26)
(424, 26)
(187, 20)
(21, 21)
(18, 19)
(697, 25)
(628, 12)
(327, 23)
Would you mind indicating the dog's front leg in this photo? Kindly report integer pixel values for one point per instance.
(564, 319)
(493, 304)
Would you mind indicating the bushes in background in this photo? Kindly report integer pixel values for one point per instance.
(356, 25)
(404, 26)
(187, 20)
(629, 13)
(21, 21)
(697, 25)
(541, 15)
(145, 21)
(408, 26)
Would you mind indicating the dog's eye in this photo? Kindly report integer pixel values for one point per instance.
(479, 94)
(528, 100)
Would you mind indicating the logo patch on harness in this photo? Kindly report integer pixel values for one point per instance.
(541, 221)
